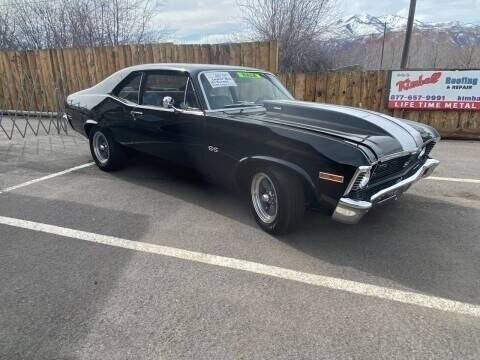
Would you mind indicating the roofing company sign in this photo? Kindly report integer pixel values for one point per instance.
(435, 90)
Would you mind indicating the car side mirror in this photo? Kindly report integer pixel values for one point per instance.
(168, 102)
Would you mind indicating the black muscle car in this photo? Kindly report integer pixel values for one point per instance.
(240, 126)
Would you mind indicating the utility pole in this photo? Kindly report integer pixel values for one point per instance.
(383, 44)
(408, 35)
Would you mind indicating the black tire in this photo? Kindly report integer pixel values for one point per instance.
(116, 153)
(290, 198)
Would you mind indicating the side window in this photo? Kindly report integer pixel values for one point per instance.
(191, 101)
(159, 85)
(130, 90)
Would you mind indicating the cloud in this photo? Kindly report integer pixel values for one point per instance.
(216, 20)
(427, 10)
(193, 21)
(448, 10)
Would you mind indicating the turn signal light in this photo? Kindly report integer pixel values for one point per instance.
(331, 177)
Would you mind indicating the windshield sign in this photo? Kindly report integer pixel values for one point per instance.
(238, 88)
(248, 75)
(220, 79)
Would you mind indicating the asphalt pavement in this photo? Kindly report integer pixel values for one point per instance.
(201, 281)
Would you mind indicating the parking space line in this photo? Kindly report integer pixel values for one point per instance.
(46, 177)
(472, 181)
(353, 287)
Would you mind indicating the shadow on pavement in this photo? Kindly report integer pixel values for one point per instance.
(426, 245)
(53, 289)
(423, 244)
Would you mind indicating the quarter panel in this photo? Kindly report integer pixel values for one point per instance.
(106, 110)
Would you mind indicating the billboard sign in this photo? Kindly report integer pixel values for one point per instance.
(435, 90)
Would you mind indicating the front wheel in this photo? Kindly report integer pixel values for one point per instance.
(277, 200)
(108, 154)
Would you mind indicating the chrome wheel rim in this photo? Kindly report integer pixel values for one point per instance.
(101, 148)
(264, 198)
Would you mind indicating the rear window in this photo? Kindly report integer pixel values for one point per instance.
(131, 89)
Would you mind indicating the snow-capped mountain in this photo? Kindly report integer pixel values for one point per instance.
(360, 26)
(364, 25)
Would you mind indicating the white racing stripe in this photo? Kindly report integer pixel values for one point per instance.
(472, 181)
(45, 177)
(353, 287)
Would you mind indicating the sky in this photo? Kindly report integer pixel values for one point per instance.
(216, 20)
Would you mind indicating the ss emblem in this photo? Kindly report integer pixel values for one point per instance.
(213, 148)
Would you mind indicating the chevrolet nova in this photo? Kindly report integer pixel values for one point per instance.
(240, 126)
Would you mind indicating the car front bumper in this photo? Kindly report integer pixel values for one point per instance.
(350, 211)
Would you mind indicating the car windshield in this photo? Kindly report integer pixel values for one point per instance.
(240, 88)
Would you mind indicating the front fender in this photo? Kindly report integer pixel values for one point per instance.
(88, 125)
(247, 163)
(425, 131)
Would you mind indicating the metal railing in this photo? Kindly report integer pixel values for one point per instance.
(26, 109)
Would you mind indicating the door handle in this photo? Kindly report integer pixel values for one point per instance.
(136, 113)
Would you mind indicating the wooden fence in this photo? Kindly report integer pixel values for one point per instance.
(368, 90)
(39, 80)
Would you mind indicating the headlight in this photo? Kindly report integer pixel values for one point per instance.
(360, 179)
(365, 178)
(422, 153)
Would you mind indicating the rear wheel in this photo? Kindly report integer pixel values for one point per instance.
(108, 154)
(277, 200)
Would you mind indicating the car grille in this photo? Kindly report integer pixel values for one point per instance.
(388, 168)
(398, 165)
(429, 148)
(367, 193)
(389, 172)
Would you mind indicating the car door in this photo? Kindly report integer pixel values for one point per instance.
(172, 133)
(117, 109)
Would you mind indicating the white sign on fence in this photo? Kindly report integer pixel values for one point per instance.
(435, 90)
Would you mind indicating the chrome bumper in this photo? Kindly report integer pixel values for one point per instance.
(350, 211)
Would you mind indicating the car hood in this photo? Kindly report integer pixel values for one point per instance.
(383, 134)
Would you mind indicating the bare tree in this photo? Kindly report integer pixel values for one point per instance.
(6, 29)
(78, 23)
(469, 57)
(298, 25)
(427, 51)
